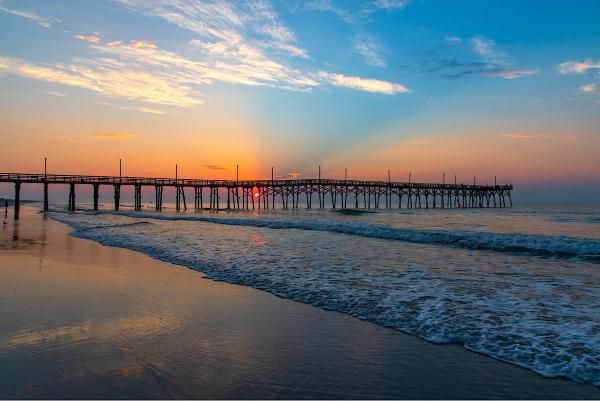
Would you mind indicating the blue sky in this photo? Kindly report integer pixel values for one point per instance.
(295, 83)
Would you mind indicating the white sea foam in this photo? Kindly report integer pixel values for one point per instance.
(538, 313)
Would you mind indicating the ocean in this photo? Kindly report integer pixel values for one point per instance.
(520, 285)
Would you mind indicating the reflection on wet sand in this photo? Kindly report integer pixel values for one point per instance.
(123, 330)
(84, 321)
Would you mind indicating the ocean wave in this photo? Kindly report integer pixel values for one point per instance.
(556, 247)
(101, 226)
(536, 313)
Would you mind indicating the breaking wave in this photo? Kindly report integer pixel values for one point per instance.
(559, 247)
(537, 313)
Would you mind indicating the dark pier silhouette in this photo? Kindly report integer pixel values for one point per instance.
(283, 194)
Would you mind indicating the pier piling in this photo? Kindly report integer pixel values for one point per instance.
(96, 195)
(17, 198)
(117, 188)
(72, 197)
(137, 202)
(45, 196)
(158, 189)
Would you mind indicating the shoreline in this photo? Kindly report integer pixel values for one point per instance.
(248, 344)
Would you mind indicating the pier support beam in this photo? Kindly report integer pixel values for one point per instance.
(96, 195)
(137, 202)
(17, 198)
(71, 197)
(158, 201)
(117, 195)
(45, 196)
(198, 198)
(179, 197)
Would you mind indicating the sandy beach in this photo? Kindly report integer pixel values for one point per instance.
(81, 320)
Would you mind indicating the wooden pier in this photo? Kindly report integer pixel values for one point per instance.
(283, 194)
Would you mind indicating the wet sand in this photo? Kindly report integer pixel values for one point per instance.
(80, 320)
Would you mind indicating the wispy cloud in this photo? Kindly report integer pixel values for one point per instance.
(369, 48)
(243, 64)
(327, 6)
(288, 176)
(535, 136)
(492, 61)
(453, 66)
(113, 135)
(453, 69)
(111, 79)
(589, 88)
(363, 84)
(268, 24)
(214, 167)
(452, 39)
(487, 49)
(578, 67)
(221, 22)
(88, 38)
(497, 62)
(354, 12)
(224, 51)
(137, 44)
(508, 74)
(151, 111)
(391, 4)
(140, 109)
(41, 21)
(143, 44)
(50, 74)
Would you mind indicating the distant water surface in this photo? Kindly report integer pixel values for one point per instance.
(521, 285)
